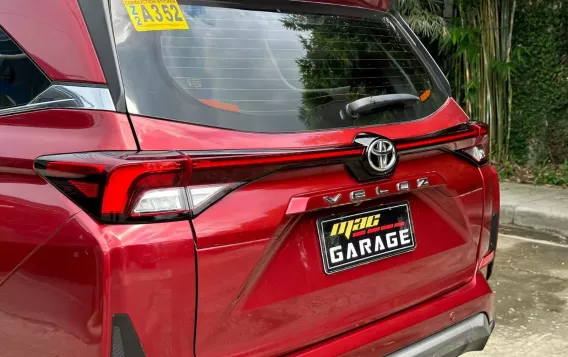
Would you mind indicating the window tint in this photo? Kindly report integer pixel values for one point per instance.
(20, 79)
(272, 71)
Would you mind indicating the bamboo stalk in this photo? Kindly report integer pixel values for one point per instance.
(490, 69)
(499, 83)
(510, 84)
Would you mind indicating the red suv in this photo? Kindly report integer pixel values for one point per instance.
(236, 178)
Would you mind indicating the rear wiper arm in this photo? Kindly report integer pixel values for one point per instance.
(365, 105)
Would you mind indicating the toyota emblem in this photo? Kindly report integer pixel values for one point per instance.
(381, 155)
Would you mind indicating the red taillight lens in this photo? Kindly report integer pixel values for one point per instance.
(121, 187)
(127, 186)
(126, 182)
(118, 187)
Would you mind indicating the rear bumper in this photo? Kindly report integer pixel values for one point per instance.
(466, 336)
(422, 326)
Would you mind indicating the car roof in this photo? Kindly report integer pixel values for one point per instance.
(382, 5)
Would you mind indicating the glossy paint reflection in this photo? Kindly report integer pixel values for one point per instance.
(152, 278)
(50, 271)
(262, 277)
(31, 211)
(54, 34)
(169, 135)
(396, 332)
(31, 208)
(62, 298)
(53, 301)
(55, 131)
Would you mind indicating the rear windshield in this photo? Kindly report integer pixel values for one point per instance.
(269, 70)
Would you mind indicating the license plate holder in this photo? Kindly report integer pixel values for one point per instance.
(352, 239)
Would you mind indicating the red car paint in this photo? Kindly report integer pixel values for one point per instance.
(176, 136)
(411, 325)
(250, 282)
(50, 278)
(23, 194)
(54, 34)
(271, 265)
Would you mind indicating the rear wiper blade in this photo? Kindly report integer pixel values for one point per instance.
(365, 105)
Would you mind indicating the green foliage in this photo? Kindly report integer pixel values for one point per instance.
(424, 17)
(340, 66)
(540, 105)
(333, 60)
(546, 174)
(502, 68)
(517, 82)
(480, 44)
(557, 177)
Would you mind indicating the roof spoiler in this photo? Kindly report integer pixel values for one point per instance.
(381, 5)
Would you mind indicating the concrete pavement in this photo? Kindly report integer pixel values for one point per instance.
(544, 208)
(530, 281)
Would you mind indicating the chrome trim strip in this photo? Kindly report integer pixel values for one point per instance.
(68, 97)
(466, 336)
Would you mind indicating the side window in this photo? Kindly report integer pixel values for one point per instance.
(20, 80)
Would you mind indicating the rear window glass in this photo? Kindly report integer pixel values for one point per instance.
(271, 71)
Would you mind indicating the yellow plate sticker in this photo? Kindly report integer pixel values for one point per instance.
(155, 15)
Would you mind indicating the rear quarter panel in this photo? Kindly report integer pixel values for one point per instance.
(46, 284)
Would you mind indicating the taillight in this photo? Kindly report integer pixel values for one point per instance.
(123, 187)
(120, 187)
(479, 152)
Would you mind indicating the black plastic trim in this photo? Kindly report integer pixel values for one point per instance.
(394, 5)
(125, 341)
(493, 237)
(97, 18)
(287, 5)
(453, 130)
(196, 284)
